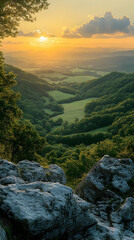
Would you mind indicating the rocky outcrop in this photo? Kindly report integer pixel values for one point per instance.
(41, 209)
(55, 174)
(45, 210)
(33, 199)
(32, 171)
(109, 188)
(8, 169)
(28, 172)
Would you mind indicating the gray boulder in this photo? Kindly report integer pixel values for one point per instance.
(103, 232)
(108, 176)
(2, 234)
(46, 210)
(8, 169)
(55, 174)
(32, 172)
(27, 172)
(42, 208)
(123, 218)
(105, 187)
(11, 180)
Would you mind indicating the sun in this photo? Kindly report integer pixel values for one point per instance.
(43, 39)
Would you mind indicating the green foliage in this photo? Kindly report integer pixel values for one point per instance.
(9, 110)
(107, 147)
(113, 110)
(86, 124)
(26, 143)
(35, 100)
(76, 139)
(18, 141)
(51, 157)
(123, 125)
(79, 160)
(109, 84)
(12, 12)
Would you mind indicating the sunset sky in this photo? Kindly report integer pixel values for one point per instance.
(78, 23)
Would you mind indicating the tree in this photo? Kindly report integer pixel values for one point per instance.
(52, 157)
(9, 111)
(13, 11)
(16, 138)
(26, 143)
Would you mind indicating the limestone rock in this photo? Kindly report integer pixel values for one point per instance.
(33, 198)
(103, 232)
(105, 187)
(55, 174)
(31, 171)
(46, 210)
(120, 184)
(2, 234)
(109, 174)
(28, 171)
(123, 218)
(11, 180)
(8, 169)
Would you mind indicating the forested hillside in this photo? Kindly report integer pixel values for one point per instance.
(37, 105)
(109, 84)
(113, 108)
(106, 128)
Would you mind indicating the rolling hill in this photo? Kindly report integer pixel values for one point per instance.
(37, 105)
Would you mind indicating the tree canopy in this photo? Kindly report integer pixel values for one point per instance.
(13, 11)
(16, 138)
(9, 110)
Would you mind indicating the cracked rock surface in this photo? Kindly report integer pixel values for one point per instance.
(37, 203)
(41, 209)
(109, 188)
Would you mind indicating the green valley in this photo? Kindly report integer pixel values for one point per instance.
(80, 122)
(74, 110)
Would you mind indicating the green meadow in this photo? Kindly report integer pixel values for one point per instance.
(74, 110)
(48, 111)
(78, 79)
(59, 96)
(99, 130)
(52, 75)
(78, 70)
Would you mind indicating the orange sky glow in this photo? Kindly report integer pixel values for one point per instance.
(76, 24)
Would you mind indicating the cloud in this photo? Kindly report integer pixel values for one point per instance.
(71, 32)
(107, 24)
(36, 34)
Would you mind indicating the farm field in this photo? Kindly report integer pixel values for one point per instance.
(99, 130)
(78, 79)
(49, 111)
(51, 75)
(59, 96)
(75, 79)
(101, 73)
(73, 110)
(77, 70)
(58, 77)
